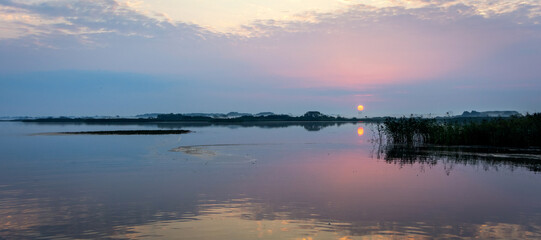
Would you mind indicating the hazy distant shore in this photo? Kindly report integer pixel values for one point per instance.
(236, 118)
(121, 132)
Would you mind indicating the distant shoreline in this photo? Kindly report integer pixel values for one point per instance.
(310, 116)
(184, 121)
(121, 132)
(241, 118)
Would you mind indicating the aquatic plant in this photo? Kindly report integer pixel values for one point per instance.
(515, 131)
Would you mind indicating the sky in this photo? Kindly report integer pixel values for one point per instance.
(398, 57)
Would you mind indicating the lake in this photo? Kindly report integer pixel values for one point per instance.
(257, 181)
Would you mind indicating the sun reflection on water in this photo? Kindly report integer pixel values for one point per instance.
(360, 131)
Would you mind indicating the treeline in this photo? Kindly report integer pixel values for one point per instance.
(515, 131)
(311, 116)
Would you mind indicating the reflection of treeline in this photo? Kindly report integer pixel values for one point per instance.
(485, 157)
(517, 131)
(309, 126)
(311, 116)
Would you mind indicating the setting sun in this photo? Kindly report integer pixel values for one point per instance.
(360, 107)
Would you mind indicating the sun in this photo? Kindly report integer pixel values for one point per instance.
(360, 107)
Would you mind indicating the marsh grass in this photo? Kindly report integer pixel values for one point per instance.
(516, 131)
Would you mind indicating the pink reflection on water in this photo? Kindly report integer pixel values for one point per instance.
(360, 131)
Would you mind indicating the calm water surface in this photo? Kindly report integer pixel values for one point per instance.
(252, 182)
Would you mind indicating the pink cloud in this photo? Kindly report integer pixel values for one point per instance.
(379, 50)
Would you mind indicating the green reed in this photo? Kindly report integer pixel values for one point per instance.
(516, 131)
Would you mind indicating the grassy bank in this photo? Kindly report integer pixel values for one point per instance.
(517, 131)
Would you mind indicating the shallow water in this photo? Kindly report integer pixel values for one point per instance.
(305, 181)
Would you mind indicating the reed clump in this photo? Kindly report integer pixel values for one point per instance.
(516, 131)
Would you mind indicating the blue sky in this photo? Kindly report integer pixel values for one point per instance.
(109, 57)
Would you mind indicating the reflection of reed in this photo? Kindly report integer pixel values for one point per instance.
(488, 158)
(378, 139)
